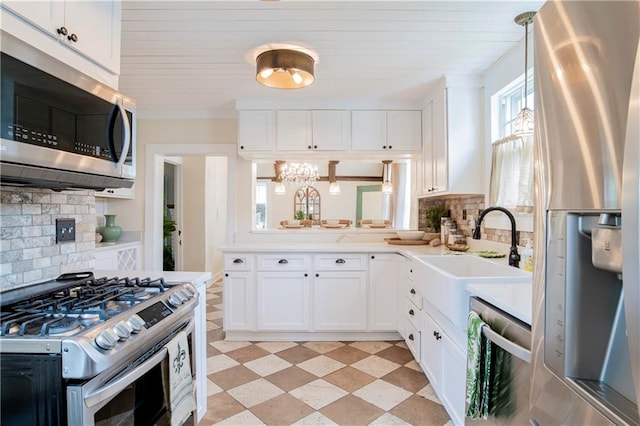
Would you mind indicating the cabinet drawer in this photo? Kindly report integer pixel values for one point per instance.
(238, 262)
(412, 313)
(340, 261)
(283, 261)
(413, 340)
(414, 296)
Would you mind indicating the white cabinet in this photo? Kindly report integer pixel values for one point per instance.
(124, 193)
(386, 131)
(283, 300)
(431, 357)
(340, 300)
(383, 277)
(293, 130)
(122, 257)
(454, 362)
(239, 300)
(91, 28)
(318, 130)
(453, 147)
(256, 131)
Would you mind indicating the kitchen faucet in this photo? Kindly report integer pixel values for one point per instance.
(514, 257)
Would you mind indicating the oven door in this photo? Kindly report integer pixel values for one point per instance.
(135, 395)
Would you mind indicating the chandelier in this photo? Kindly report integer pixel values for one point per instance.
(301, 175)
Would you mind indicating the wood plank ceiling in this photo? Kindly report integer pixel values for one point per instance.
(182, 58)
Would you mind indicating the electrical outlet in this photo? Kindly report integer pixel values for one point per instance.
(65, 230)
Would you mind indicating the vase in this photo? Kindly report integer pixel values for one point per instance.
(110, 231)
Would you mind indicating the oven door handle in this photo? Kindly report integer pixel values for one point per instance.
(107, 392)
(506, 344)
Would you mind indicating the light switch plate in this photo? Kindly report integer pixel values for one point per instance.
(65, 230)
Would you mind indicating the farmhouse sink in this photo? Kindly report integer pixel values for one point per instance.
(446, 277)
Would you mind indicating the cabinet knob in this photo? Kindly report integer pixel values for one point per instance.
(412, 291)
(390, 147)
(315, 147)
(241, 146)
(63, 31)
(411, 336)
(341, 261)
(111, 191)
(411, 312)
(306, 275)
(73, 37)
(283, 261)
(308, 146)
(411, 271)
(226, 275)
(384, 147)
(317, 275)
(437, 335)
(373, 257)
(238, 261)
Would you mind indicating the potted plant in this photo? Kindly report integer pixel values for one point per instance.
(299, 215)
(433, 216)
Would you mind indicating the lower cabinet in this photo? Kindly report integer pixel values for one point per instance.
(445, 364)
(127, 257)
(239, 300)
(383, 273)
(283, 300)
(340, 300)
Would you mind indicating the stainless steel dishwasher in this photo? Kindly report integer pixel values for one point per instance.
(513, 336)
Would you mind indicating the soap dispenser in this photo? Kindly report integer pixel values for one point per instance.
(527, 256)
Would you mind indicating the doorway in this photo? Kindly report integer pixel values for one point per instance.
(172, 215)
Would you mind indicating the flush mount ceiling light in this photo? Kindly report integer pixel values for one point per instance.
(285, 69)
(523, 125)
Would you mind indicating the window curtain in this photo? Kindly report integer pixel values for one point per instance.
(512, 174)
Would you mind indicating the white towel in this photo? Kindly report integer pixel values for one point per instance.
(179, 383)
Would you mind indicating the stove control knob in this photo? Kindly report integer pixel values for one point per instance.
(185, 294)
(189, 289)
(123, 330)
(175, 300)
(107, 339)
(136, 323)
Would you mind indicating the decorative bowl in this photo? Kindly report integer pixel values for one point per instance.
(410, 235)
(378, 222)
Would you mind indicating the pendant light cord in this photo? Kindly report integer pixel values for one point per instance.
(526, 57)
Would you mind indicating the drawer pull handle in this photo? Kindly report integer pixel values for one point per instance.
(238, 261)
(411, 336)
(341, 261)
(283, 261)
(412, 291)
(411, 312)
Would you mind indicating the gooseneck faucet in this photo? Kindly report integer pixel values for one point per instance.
(514, 257)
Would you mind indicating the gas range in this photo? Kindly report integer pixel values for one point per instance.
(95, 324)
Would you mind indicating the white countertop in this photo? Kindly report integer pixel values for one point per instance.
(513, 298)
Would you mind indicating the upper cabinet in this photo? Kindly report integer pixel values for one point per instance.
(452, 139)
(303, 130)
(90, 30)
(331, 130)
(255, 131)
(386, 131)
(293, 130)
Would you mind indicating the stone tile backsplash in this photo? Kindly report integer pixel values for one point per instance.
(28, 249)
(462, 208)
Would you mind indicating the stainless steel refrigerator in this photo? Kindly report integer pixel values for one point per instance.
(586, 321)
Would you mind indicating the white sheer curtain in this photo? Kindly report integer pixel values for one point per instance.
(512, 174)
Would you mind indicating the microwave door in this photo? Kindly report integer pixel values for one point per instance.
(124, 142)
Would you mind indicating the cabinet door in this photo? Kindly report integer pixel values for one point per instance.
(404, 130)
(106, 260)
(340, 300)
(331, 130)
(383, 273)
(97, 27)
(128, 259)
(293, 130)
(428, 160)
(255, 131)
(368, 130)
(454, 372)
(431, 353)
(283, 300)
(440, 143)
(48, 15)
(239, 297)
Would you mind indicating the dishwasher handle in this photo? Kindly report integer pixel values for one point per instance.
(506, 344)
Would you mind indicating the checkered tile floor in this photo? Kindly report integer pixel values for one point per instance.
(313, 383)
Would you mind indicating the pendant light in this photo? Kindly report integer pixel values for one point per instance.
(280, 188)
(334, 186)
(523, 125)
(387, 185)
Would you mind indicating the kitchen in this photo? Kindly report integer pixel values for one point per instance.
(157, 136)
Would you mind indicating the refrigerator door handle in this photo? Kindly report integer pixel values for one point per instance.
(506, 344)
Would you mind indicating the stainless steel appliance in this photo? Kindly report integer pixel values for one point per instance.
(59, 128)
(81, 350)
(514, 337)
(586, 295)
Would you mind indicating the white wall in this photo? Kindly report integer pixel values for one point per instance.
(215, 212)
(193, 214)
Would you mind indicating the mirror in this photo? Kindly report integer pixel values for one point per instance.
(360, 194)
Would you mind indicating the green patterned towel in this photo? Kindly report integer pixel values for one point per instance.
(489, 381)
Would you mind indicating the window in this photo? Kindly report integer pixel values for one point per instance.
(261, 204)
(511, 184)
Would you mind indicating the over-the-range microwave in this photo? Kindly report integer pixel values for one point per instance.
(61, 129)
